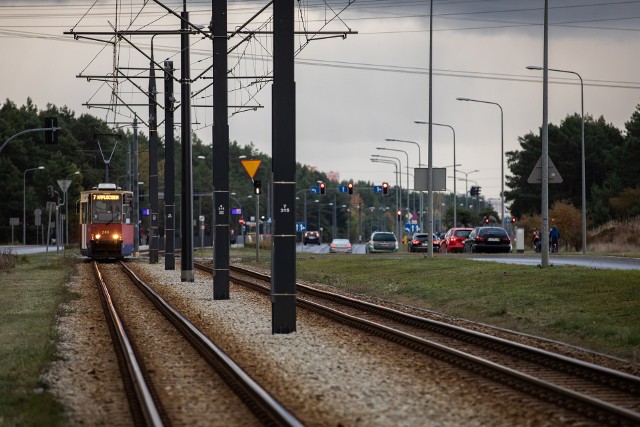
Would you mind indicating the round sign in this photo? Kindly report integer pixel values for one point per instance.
(241, 221)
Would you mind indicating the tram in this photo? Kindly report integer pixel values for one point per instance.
(106, 222)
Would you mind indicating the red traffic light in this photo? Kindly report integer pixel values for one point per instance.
(385, 188)
(350, 187)
(513, 219)
(399, 213)
(323, 188)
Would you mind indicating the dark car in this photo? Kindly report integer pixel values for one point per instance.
(382, 241)
(311, 237)
(420, 242)
(488, 239)
(454, 240)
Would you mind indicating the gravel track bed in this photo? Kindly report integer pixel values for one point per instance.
(542, 343)
(326, 374)
(190, 390)
(86, 378)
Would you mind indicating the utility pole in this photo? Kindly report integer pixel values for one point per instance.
(283, 265)
(169, 171)
(153, 163)
(186, 274)
(221, 152)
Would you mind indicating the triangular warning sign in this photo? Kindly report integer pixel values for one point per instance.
(251, 166)
(536, 173)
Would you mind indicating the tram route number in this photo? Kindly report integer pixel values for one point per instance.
(285, 209)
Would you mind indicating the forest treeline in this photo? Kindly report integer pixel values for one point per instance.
(87, 143)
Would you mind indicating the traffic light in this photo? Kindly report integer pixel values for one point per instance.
(399, 214)
(473, 190)
(323, 188)
(513, 219)
(257, 186)
(51, 136)
(486, 220)
(350, 187)
(385, 188)
(477, 191)
(50, 191)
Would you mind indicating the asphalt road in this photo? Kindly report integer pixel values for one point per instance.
(593, 261)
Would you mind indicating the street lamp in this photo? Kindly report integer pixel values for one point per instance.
(466, 185)
(384, 159)
(584, 185)
(501, 148)
(24, 203)
(455, 215)
(409, 142)
(406, 154)
(419, 165)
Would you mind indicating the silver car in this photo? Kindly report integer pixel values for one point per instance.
(382, 241)
(340, 245)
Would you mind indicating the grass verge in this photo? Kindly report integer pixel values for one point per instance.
(30, 297)
(595, 309)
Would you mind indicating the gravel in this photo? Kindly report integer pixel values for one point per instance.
(326, 374)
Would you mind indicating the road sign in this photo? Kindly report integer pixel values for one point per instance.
(64, 184)
(301, 227)
(315, 189)
(536, 173)
(251, 166)
(377, 188)
(412, 228)
(421, 179)
(343, 189)
(201, 218)
(241, 221)
(14, 221)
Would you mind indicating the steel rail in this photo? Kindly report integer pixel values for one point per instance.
(578, 402)
(143, 402)
(263, 405)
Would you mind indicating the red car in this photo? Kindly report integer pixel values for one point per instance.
(454, 240)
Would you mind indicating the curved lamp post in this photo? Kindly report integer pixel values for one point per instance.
(584, 186)
(24, 203)
(501, 149)
(455, 213)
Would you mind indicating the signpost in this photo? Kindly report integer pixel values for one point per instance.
(251, 166)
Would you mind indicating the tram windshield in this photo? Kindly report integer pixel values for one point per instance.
(110, 208)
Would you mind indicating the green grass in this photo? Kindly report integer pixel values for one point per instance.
(596, 309)
(30, 298)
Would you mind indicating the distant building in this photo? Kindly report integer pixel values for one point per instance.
(333, 176)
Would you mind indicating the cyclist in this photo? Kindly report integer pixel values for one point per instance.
(554, 237)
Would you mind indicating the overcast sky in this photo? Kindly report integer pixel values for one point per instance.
(353, 93)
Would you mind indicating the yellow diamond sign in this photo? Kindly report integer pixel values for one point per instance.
(251, 166)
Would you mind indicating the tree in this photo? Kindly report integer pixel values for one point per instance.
(568, 219)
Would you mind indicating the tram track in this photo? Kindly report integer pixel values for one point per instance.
(600, 394)
(163, 374)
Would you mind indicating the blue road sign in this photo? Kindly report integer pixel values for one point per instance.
(315, 189)
(343, 189)
(301, 227)
(412, 228)
(377, 188)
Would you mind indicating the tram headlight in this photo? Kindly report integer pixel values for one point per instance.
(96, 236)
(115, 236)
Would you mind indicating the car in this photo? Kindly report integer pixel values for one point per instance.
(453, 240)
(382, 241)
(420, 242)
(488, 239)
(311, 237)
(340, 245)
